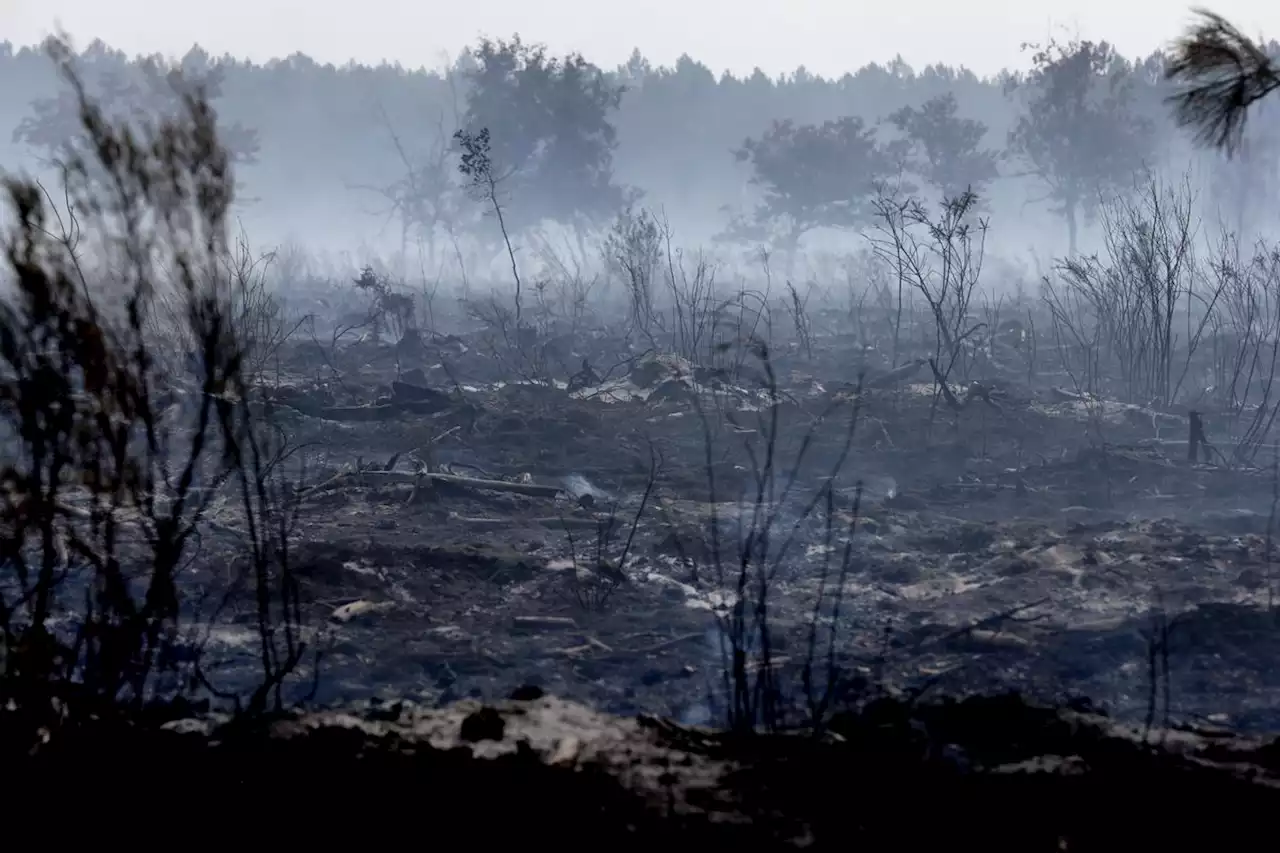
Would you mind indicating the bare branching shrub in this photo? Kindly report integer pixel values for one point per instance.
(692, 312)
(874, 290)
(565, 291)
(1147, 291)
(595, 580)
(390, 311)
(798, 310)
(941, 259)
(673, 303)
(484, 183)
(634, 248)
(770, 520)
(1244, 343)
(523, 348)
(258, 314)
(1077, 329)
(519, 347)
(105, 480)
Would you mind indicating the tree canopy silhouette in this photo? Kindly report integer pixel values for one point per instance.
(143, 90)
(549, 129)
(948, 149)
(812, 176)
(1079, 133)
(323, 133)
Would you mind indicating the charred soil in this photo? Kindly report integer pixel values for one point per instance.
(463, 535)
(995, 773)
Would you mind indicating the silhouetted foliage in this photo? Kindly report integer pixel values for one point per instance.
(949, 153)
(143, 90)
(111, 463)
(424, 197)
(812, 176)
(476, 165)
(1222, 72)
(1079, 134)
(550, 129)
(323, 133)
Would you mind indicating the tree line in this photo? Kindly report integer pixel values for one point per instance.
(769, 160)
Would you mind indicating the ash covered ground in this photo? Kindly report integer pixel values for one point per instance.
(466, 530)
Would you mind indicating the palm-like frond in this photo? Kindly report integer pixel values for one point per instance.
(1222, 72)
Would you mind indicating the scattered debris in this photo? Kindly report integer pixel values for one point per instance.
(360, 609)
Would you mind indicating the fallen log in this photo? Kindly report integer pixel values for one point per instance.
(537, 623)
(377, 413)
(572, 521)
(419, 398)
(898, 374)
(355, 414)
(409, 478)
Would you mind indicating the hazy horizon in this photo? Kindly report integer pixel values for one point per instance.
(311, 181)
(826, 37)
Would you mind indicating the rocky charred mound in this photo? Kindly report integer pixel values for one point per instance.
(992, 772)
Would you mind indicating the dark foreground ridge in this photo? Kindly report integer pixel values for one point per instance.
(995, 772)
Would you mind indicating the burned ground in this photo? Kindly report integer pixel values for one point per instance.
(994, 772)
(1019, 537)
(779, 554)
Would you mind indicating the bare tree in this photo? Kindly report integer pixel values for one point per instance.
(1244, 347)
(941, 258)
(424, 197)
(483, 181)
(633, 247)
(1138, 289)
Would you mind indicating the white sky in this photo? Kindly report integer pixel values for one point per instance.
(828, 37)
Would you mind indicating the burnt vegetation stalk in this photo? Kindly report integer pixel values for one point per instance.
(770, 518)
(114, 460)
